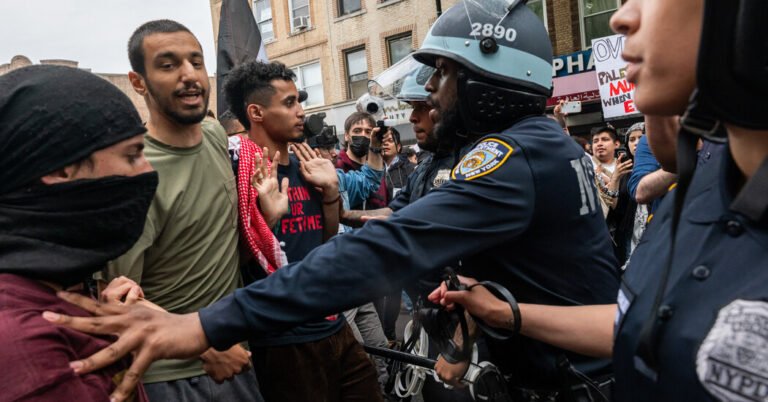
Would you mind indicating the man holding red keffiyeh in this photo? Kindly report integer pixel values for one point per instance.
(323, 353)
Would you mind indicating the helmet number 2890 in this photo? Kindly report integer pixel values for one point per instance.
(489, 30)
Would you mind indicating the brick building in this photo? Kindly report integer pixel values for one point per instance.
(335, 46)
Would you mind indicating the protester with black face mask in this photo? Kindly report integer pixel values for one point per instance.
(74, 191)
(359, 136)
(360, 146)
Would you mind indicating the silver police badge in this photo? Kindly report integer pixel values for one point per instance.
(442, 177)
(732, 362)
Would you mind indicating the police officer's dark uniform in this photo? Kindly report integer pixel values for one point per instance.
(707, 335)
(521, 209)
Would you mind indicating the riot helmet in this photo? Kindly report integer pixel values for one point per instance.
(505, 59)
(404, 81)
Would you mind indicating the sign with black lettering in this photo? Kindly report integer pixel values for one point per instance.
(616, 93)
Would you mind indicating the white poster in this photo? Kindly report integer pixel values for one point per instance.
(616, 93)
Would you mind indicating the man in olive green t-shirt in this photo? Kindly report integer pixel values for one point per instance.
(187, 257)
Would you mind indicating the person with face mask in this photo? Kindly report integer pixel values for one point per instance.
(361, 142)
(519, 209)
(407, 79)
(74, 192)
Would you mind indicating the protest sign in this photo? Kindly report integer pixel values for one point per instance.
(616, 93)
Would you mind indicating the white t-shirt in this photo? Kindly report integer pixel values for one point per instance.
(608, 168)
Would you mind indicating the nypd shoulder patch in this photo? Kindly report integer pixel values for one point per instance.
(483, 159)
(731, 362)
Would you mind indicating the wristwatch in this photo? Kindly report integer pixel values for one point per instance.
(376, 150)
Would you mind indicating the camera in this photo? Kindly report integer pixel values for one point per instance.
(371, 104)
(317, 133)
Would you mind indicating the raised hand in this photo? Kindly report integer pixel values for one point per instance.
(273, 198)
(623, 167)
(558, 113)
(316, 171)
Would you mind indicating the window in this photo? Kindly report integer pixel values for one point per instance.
(349, 6)
(540, 8)
(299, 14)
(357, 73)
(595, 18)
(262, 11)
(310, 78)
(399, 47)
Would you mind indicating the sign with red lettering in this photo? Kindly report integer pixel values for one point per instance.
(616, 93)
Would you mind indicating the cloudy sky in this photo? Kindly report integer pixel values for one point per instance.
(93, 32)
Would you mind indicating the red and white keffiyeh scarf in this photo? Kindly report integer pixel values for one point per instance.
(258, 237)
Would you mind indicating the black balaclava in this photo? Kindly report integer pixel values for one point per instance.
(52, 117)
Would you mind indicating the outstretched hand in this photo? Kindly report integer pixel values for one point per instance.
(623, 167)
(317, 171)
(273, 198)
(150, 334)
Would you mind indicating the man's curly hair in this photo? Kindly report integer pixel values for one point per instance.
(250, 82)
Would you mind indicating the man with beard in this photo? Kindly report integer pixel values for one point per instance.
(520, 210)
(442, 150)
(187, 257)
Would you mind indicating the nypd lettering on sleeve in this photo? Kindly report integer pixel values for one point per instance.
(483, 159)
(732, 362)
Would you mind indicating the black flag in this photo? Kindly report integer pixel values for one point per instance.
(239, 40)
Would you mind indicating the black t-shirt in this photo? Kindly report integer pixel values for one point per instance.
(301, 229)
(299, 232)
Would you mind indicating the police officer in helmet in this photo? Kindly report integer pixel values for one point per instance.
(689, 322)
(520, 209)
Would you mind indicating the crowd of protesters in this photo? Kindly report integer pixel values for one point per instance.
(177, 213)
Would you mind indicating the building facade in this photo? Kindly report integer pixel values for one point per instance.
(336, 46)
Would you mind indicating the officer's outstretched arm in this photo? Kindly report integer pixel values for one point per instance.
(586, 330)
(489, 202)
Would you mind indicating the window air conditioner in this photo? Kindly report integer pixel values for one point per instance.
(300, 23)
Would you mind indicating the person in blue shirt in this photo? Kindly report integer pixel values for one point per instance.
(520, 209)
(647, 174)
(355, 186)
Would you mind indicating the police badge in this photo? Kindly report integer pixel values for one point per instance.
(442, 176)
(732, 362)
